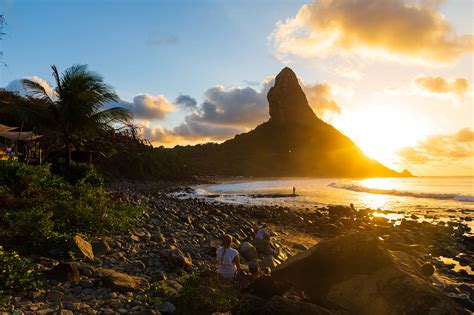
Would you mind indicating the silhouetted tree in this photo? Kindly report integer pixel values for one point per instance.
(73, 110)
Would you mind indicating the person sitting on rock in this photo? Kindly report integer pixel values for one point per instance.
(262, 232)
(228, 260)
(254, 269)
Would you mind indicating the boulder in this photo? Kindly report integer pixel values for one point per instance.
(266, 286)
(427, 269)
(64, 272)
(120, 282)
(167, 308)
(81, 248)
(252, 304)
(340, 211)
(54, 296)
(170, 287)
(176, 257)
(248, 251)
(278, 305)
(158, 237)
(357, 273)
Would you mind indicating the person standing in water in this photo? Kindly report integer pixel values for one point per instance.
(294, 191)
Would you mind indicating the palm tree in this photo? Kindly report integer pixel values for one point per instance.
(74, 109)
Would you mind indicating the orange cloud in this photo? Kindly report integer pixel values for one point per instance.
(320, 99)
(146, 106)
(438, 148)
(440, 85)
(395, 29)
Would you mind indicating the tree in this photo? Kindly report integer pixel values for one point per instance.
(74, 109)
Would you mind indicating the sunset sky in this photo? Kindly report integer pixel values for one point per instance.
(396, 76)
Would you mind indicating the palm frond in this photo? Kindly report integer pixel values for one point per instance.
(113, 115)
(34, 112)
(36, 90)
(57, 78)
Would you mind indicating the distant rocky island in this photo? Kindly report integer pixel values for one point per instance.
(293, 142)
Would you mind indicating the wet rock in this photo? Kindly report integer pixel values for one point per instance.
(63, 272)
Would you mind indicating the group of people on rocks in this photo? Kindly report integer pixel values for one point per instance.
(229, 268)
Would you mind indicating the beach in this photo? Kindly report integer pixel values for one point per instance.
(140, 271)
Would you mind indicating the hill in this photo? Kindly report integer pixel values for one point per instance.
(293, 142)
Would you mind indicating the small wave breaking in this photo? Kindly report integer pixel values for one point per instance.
(394, 192)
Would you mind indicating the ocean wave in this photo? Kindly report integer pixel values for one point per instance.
(394, 192)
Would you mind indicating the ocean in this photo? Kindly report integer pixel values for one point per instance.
(429, 198)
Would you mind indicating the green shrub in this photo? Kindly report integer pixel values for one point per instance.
(38, 207)
(16, 274)
(202, 293)
(30, 223)
(77, 173)
(20, 177)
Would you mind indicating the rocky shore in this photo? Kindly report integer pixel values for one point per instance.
(360, 263)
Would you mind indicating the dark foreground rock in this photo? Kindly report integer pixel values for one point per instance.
(63, 272)
(358, 274)
(278, 305)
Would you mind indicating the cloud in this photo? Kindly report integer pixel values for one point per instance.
(320, 99)
(146, 106)
(223, 113)
(440, 85)
(170, 40)
(394, 29)
(187, 132)
(186, 101)
(438, 148)
(194, 130)
(235, 107)
(17, 86)
(252, 83)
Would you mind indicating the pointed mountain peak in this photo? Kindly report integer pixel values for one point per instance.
(286, 72)
(287, 101)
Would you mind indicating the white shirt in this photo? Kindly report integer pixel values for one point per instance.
(225, 265)
(261, 232)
